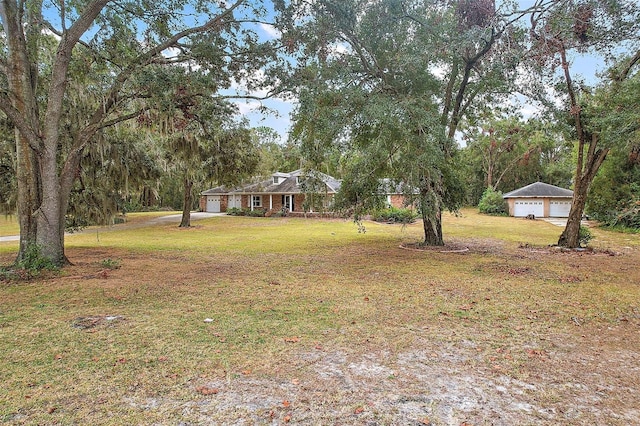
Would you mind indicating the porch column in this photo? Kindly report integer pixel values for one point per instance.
(270, 201)
(251, 201)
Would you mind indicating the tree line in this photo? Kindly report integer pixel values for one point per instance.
(109, 103)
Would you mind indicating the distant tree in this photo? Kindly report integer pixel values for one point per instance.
(501, 146)
(505, 154)
(199, 139)
(275, 155)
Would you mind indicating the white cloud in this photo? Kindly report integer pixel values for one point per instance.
(270, 30)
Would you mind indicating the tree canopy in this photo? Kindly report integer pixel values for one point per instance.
(387, 84)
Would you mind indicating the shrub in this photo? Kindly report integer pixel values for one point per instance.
(395, 215)
(629, 217)
(111, 263)
(255, 212)
(235, 211)
(33, 261)
(492, 203)
(584, 236)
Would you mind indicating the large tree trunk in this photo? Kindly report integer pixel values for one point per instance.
(431, 209)
(570, 237)
(186, 206)
(29, 195)
(23, 111)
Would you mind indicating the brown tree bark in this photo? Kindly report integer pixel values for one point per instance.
(431, 209)
(186, 206)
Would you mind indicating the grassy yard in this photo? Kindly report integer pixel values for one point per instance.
(9, 225)
(272, 321)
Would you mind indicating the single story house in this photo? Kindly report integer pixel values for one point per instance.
(540, 200)
(394, 194)
(282, 191)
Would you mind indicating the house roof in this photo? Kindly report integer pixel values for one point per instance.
(539, 190)
(218, 190)
(288, 184)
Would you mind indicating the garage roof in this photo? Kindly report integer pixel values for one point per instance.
(539, 190)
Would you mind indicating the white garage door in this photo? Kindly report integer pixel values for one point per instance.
(559, 208)
(235, 201)
(525, 207)
(213, 204)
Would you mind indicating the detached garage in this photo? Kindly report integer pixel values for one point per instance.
(540, 200)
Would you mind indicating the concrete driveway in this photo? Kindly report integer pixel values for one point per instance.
(557, 221)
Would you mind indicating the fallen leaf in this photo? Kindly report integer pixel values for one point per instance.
(535, 352)
(295, 381)
(246, 372)
(206, 390)
(58, 356)
(287, 419)
(51, 410)
(359, 410)
(286, 404)
(292, 339)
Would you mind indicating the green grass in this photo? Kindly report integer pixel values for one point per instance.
(9, 225)
(274, 288)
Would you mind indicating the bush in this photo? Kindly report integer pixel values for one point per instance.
(629, 217)
(395, 215)
(255, 212)
(493, 203)
(235, 211)
(584, 236)
(34, 262)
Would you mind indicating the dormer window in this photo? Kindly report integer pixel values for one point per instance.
(297, 180)
(276, 180)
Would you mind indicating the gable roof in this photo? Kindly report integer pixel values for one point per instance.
(288, 184)
(539, 190)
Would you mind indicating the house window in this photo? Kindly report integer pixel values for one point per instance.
(276, 180)
(256, 201)
(297, 180)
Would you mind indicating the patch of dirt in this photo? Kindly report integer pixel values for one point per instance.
(461, 246)
(90, 322)
(576, 380)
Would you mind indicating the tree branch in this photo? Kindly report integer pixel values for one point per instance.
(61, 67)
(113, 95)
(627, 69)
(19, 120)
(121, 118)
